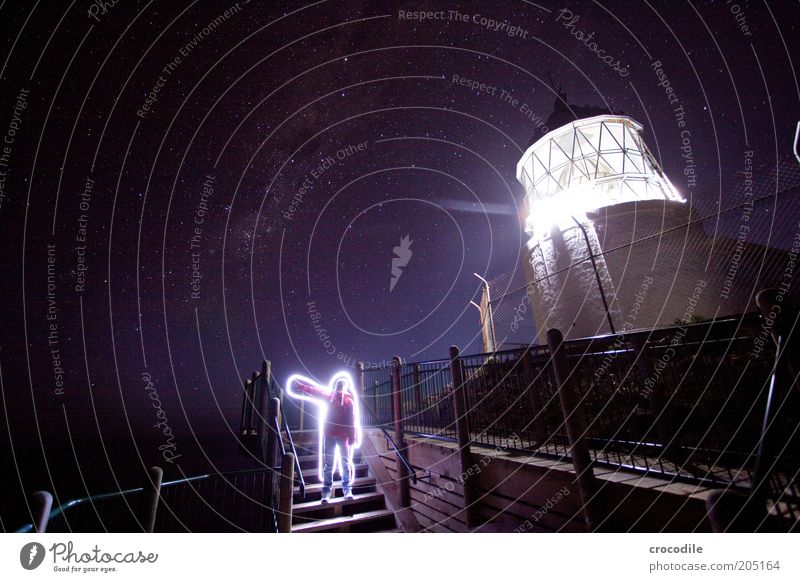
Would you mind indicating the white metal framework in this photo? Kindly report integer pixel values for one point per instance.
(589, 164)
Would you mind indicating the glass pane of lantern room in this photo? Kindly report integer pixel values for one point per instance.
(588, 139)
(614, 139)
(557, 157)
(566, 142)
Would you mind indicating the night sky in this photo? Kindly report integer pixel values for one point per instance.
(187, 188)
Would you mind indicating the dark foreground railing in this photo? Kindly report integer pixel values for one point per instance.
(686, 402)
(217, 502)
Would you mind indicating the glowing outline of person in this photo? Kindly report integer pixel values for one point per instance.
(323, 406)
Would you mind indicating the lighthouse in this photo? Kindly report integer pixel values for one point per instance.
(613, 245)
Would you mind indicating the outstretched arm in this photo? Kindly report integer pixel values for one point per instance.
(300, 387)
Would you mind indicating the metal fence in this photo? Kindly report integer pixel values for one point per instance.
(220, 502)
(685, 402)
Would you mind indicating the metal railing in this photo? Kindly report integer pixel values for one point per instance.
(369, 414)
(685, 402)
(215, 502)
(276, 390)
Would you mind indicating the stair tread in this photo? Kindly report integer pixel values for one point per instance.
(311, 471)
(335, 522)
(300, 508)
(357, 482)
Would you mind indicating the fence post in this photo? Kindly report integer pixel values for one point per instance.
(463, 437)
(152, 492)
(397, 409)
(537, 408)
(269, 452)
(42, 504)
(286, 493)
(576, 429)
(270, 438)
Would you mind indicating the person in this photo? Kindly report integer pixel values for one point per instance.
(340, 428)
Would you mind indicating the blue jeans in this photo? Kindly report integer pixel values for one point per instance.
(328, 456)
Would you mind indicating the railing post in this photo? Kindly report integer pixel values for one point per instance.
(269, 447)
(576, 429)
(271, 437)
(463, 437)
(534, 398)
(286, 493)
(152, 492)
(397, 409)
(42, 504)
(266, 378)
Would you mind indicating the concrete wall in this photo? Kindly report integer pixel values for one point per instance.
(674, 271)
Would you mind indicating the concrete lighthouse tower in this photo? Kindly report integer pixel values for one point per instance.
(592, 186)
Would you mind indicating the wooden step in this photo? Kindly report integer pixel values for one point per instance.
(315, 489)
(312, 461)
(338, 523)
(312, 475)
(311, 506)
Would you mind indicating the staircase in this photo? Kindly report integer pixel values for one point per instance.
(366, 512)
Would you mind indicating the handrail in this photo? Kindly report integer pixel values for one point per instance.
(28, 527)
(298, 470)
(411, 472)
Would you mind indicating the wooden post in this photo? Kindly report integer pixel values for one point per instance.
(270, 436)
(463, 437)
(152, 494)
(286, 494)
(535, 399)
(397, 410)
(42, 504)
(269, 453)
(576, 429)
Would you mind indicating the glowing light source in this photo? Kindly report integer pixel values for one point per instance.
(587, 165)
(323, 406)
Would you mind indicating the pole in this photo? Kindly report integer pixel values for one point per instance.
(397, 408)
(42, 504)
(576, 429)
(489, 316)
(153, 492)
(596, 274)
(462, 435)
(286, 494)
